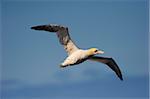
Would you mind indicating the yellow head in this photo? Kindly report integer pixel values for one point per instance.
(94, 51)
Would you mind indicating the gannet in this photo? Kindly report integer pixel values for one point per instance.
(77, 55)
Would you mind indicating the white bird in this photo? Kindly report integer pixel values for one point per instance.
(75, 54)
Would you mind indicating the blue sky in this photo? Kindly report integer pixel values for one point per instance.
(30, 59)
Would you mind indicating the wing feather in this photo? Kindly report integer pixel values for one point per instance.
(63, 35)
(109, 62)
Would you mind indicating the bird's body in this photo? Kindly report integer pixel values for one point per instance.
(75, 58)
(75, 54)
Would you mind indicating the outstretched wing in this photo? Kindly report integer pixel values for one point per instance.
(62, 33)
(110, 62)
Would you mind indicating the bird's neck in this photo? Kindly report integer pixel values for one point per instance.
(89, 53)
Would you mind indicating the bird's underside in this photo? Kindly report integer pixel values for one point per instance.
(76, 55)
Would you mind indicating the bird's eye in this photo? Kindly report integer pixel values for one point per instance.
(95, 50)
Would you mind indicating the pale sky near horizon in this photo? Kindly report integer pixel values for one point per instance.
(31, 58)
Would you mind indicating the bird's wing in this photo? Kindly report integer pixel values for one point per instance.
(110, 62)
(63, 35)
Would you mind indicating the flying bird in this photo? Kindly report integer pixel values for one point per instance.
(77, 55)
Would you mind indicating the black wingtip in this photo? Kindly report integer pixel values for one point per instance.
(121, 78)
(33, 27)
(119, 74)
(38, 27)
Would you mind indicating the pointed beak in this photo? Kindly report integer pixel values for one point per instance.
(100, 52)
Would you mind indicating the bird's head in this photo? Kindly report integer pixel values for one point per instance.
(94, 51)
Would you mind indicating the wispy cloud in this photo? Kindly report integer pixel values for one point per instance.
(95, 88)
